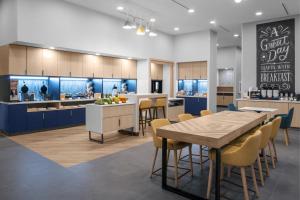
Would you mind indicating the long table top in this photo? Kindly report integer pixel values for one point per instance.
(215, 131)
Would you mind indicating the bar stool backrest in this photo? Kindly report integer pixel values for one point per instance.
(266, 131)
(275, 127)
(205, 112)
(184, 117)
(155, 124)
(145, 104)
(160, 102)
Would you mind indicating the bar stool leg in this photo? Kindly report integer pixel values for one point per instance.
(150, 115)
(176, 168)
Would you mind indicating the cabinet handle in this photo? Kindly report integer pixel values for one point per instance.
(70, 73)
(42, 72)
(93, 75)
(26, 71)
(43, 116)
(119, 122)
(71, 113)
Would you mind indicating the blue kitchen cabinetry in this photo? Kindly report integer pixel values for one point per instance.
(194, 105)
(14, 119)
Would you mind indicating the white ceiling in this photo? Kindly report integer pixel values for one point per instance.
(168, 14)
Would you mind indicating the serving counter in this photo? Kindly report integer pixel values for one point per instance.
(25, 117)
(282, 107)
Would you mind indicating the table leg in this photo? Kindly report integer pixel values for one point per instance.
(164, 163)
(218, 173)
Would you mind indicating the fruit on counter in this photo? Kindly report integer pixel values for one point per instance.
(123, 99)
(99, 102)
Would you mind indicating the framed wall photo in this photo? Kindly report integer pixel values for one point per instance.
(275, 43)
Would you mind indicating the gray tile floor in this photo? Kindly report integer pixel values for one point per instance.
(125, 175)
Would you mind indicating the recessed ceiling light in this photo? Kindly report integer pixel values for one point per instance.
(97, 54)
(152, 34)
(236, 35)
(217, 44)
(176, 29)
(51, 48)
(191, 10)
(120, 8)
(258, 13)
(129, 58)
(212, 22)
(237, 1)
(152, 20)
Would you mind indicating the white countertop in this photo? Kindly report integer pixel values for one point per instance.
(147, 95)
(269, 100)
(49, 101)
(258, 109)
(191, 96)
(111, 105)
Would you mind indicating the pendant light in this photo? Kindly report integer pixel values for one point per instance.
(127, 25)
(141, 30)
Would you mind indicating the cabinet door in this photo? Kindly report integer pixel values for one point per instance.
(98, 71)
(111, 124)
(107, 67)
(203, 66)
(153, 70)
(220, 101)
(89, 65)
(196, 70)
(64, 62)
(17, 60)
(228, 100)
(34, 61)
(64, 118)
(16, 121)
(117, 68)
(189, 71)
(181, 71)
(125, 69)
(78, 116)
(126, 121)
(50, 119)
(132, 69)
(76, 64)
(35, 121)
(49, 62)
(159, 72)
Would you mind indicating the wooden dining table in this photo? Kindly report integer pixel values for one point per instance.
(215, 131)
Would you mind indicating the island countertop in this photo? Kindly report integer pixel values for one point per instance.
(269, 100)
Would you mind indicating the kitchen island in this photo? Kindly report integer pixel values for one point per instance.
(109, 118)
(194, 104)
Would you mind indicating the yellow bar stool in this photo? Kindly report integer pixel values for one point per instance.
(275, 128)
(185, 117)
(159, 105)
(241, 156)
(144, 110)
(171, 146)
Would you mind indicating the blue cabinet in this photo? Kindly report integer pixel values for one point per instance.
(194, 105)
(78, 116)
(35, 121)
(64, 118)
(50, 119)
(16, 118)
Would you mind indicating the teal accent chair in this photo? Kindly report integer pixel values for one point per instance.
(232, 107)
(286, 123)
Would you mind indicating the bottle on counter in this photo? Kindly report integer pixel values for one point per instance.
(263, 92)
(270, 92)
(276, 92)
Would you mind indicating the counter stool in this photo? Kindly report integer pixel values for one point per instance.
(159, 104)
(145, 107)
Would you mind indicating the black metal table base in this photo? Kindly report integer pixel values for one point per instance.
(183, 193)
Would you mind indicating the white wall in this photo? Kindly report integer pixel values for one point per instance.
(230, 57)
(249, 53)
(143, 76)
(8, 21)
(61, 24)
(199, 46)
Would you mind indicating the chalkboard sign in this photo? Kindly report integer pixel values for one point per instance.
(276, 55)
